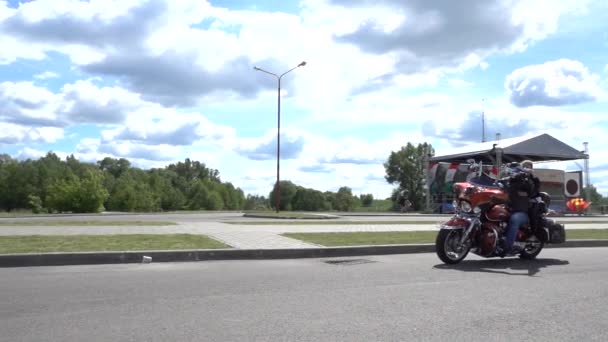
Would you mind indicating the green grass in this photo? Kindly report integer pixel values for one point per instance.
(377, 206)
(90, 243)
(582, 234)
(397, 238)
(328, 222)
(17, 213)
(365, 238)
(286, 215)
(86, 223)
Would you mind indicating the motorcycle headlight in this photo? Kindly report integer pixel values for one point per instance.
(465, 206)
(477, 210)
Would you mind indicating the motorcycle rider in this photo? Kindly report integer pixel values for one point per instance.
(522, 185)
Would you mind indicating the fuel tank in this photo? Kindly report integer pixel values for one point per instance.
(498, 213)
(478, 195)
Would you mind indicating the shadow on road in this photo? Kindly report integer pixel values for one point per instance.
(503, 266)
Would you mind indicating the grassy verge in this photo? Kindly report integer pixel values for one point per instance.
(87, 223)
(397, 238)
(376, 206)
(285, 215)
(365, 238)
(90, 243)
(582, 234)
(329, 222)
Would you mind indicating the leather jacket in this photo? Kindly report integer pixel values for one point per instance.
(521, 188)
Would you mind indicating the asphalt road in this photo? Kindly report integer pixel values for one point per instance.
(560, 297)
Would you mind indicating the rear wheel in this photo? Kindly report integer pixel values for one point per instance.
(447, 246)
(533, 247)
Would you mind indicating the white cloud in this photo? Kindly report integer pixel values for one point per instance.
(29, 153)
(496, 26)
(540, 18)
(46, 75)
(458, 83)
(139, 151)
(84, 102)
(554, 83)
(23, 103)
(13, 134)
(156, 125)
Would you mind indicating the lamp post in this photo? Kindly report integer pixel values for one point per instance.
(277, 192)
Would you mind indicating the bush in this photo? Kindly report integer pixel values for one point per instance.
(35, 204)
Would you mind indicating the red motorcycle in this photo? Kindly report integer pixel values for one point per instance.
(482, 217)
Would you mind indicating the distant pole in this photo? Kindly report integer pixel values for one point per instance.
(277, 188)
(427, 190)
(483, 121)
(587, 175)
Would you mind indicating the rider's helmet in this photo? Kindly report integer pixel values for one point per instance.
(527, 166)
(513, 169)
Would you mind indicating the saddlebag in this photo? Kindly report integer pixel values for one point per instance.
(556, 232)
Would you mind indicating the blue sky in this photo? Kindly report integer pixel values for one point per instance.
(158, 81)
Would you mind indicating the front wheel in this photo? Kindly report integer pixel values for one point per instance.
(533, 247)
(447, 246)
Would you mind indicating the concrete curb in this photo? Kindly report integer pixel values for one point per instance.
(92, 258)
(294, 217)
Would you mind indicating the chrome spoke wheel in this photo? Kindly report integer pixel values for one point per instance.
(448, 246)
(532, 248)
(452, 245)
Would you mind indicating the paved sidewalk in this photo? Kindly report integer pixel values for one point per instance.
(240, 236)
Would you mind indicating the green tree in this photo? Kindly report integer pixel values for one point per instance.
(35, 203)
(308, 200)
(344, 200)
(199, 196)
(62, 194)
(367, 200)
(190, 170)
(330, 199)
(255, 202)
(287, 190)
(17, 183)
(162, 183)
(594, 196)
(215, 201)
(50, 170)
(406, 168)
(232, 197)
(91, 193)
(133, 193)
(85, 195)
(116, 167)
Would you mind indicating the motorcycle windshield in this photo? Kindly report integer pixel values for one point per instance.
(483, 180)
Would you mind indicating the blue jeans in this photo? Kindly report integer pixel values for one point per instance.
(518, 218)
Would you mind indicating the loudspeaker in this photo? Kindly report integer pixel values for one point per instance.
(573, 183)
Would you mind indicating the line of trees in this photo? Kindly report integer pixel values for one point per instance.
(298, 198)
(50, 184)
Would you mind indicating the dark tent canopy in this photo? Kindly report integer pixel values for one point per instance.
(536, 148)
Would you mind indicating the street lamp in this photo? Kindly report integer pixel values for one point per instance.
(277, 192)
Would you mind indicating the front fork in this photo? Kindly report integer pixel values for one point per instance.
(465, 235)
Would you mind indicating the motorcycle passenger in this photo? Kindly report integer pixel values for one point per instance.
(522, 186)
